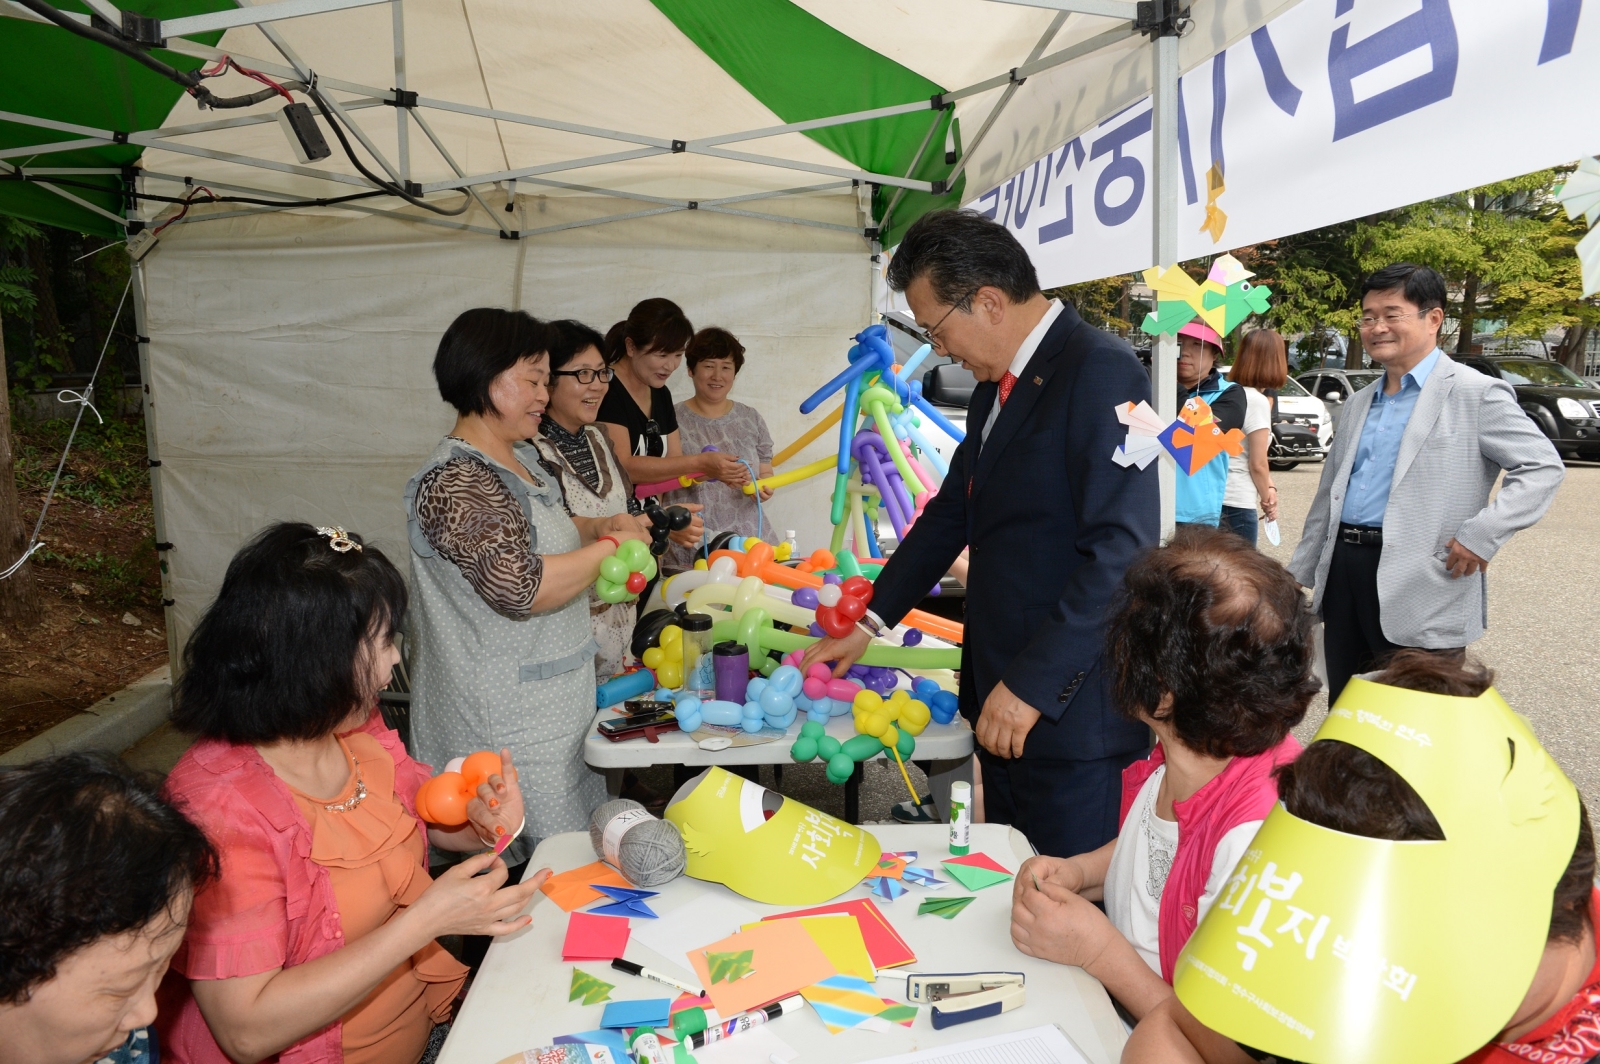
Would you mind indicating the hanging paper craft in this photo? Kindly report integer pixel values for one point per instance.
(628, 901)
(923, 877)
(591, 989)
(1580, 193)
(1225, 300)
(884, 944)
(844, 1001)
(648, 1012)
(945, 907)
(976, 871)
(1216, 218)
(1191, 441)
(726, 967)
(594, 938)
(886, 888)
(782, 959)
(574, 889)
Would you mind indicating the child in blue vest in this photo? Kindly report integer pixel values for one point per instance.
(1199, 495)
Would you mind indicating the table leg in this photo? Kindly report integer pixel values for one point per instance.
(614, 778)
(941, 774)
(852, 796)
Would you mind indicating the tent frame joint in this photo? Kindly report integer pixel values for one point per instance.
(1163, 18)
(402, 98)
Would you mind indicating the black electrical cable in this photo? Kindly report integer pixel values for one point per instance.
(388, 186)
(324, 202)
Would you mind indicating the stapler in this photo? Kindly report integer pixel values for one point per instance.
(961, 997)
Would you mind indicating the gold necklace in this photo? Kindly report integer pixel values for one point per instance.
(356, 798)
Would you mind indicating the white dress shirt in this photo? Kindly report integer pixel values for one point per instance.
(1024, 355)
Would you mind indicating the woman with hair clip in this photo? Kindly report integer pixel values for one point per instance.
(582, 457)
(645, 349)
(317, 941)
(1260, 369)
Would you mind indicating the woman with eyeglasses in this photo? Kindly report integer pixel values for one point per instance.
(644, 350)
(581, 456)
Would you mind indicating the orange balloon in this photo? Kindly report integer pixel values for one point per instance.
(447, 800)
(421, 801)
(478, 767)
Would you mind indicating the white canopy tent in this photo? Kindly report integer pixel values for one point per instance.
(612, 151)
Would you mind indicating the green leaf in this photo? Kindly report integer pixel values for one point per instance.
(592, 989)
(730, 967)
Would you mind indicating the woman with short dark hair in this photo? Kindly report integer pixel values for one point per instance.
(1261, 368)
(499, 642)
(645, 349)
(97, 874)
(1209, 643)
(317, 941)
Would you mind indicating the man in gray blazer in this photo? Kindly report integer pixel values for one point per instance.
(1397, 544)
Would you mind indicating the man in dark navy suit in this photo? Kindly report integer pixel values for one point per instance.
(1050, 520)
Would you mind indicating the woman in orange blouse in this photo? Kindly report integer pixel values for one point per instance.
(317, 942)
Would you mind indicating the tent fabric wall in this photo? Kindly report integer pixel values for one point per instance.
(290, 354)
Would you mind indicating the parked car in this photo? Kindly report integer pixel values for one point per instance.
(1302, 429)
(1335, 385)
(1559, 401)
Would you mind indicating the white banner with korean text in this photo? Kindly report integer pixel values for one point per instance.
(1334, 110)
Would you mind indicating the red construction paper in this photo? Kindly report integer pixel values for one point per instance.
(884, 944)
(980, 860)
(595, 938)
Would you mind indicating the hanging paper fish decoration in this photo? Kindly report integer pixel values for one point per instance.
(1191, 441)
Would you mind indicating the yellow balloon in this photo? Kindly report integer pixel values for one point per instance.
(652, 658)
(914, 717)
(670, 674)
(671, 636)
(866, 700)
(890, 736)
(782, 552)
(874, 723)
(700, 563)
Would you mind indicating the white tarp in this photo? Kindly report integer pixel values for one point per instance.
(290, 356)
(1336, 109)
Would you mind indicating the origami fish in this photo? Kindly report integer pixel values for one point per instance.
(1225, 299)
(1191, 441)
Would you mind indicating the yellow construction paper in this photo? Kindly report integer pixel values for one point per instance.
(785, 958)
(1326, 947)
(800, 856)
(839, 937)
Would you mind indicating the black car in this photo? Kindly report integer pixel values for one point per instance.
(1559, 401)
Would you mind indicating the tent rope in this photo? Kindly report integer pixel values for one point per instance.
(83, 401)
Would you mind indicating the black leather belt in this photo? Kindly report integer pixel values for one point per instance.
(1361, 535)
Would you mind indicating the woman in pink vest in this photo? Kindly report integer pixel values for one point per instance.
(1209, 644)
(317, 943)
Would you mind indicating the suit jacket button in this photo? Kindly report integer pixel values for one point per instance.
(1063, 696)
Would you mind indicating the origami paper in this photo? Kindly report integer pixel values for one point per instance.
(945, 907)
(573, 890)
(612, 1040)
(784, 959)
(1216, 219)
(1191, 441)
(1580, 194)
(884, 944)
(890, 866)
(886, 888)
(976, 871)
(922, 877)
(629, 902)
(839, 935)
(1225, 299)
(844, 1001)
(592, 989)
(644, 1012)
(1589, 255)
(594, 938)
(726, 967)
(977, 860)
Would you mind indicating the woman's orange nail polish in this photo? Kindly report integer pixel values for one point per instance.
(494, 803)
(498, 831)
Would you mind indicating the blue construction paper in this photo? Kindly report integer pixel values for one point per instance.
(643, 1012)
(626, 902)
(922, 877)
(887, 889)
(612, 1040)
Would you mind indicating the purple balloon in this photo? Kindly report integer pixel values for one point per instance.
(859, 672)
(804, 597)
(938, 589)
(832, 578)
(912, 637)
(815, 630)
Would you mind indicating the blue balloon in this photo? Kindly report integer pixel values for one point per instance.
(787, 679)
(751, 717)
(754, 688)
(726, 714)
(943, 707)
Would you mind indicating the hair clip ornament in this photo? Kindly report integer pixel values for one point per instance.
(339, 539)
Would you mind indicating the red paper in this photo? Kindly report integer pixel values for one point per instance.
(595, 938)
(980, 860)
(884, 944)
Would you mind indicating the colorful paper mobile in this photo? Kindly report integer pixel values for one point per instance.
(886, 888)
(592, 989)
(726, 967)
(1581, 196)
(845, 1001)
(1216, 218)
(976, 871)
(1225, 299)
(594, 938)
(627, 901)
(1191, 441)
(945, 907)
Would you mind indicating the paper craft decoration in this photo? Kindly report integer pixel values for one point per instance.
(884, 944)
(839, 936)
(782, 959)
(976, 871)
(573, 890)
(945, 907)
(768, 847)
(1316, 925)
(592, 989)
(726, 967)
(594, 938)
(1580, 193)
(844, 1001)
(610, 1040)
(887, 889)
(922, 877)
(1223, 301)
(1216, 218)
(1190, 442)
(628, 901)
(644, 1012)
(890, 866)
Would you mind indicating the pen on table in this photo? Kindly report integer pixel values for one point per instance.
(640, 970)
(746, 1020)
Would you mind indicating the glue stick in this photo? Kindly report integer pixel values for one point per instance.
(960, 818)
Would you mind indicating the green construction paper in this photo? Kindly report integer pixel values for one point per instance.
(592, 989)
(974, 878)
(730, 967)
(945, 907)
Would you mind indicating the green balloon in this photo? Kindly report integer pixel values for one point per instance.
(804, 749)
(649, 567)
(828, 747)
(813, 730)
(767, 666)
(614, 570)
(610, 591)
(906, 745)
(840, 767)
(862, 747)
(633, 554)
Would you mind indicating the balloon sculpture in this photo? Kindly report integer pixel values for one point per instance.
(443, 799)
(891, 725)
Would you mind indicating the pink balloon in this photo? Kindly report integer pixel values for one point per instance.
(815, 688)
(820, 671)
(793, 658)
(843, 690)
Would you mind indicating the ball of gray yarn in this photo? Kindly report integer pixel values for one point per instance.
(651, 852)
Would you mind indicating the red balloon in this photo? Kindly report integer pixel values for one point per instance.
(850, 608)
(636, 583)
(858, 587)
(835, 625)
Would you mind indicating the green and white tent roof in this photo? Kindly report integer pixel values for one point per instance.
(637, 104)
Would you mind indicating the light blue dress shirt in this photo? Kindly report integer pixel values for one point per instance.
(1372, 473)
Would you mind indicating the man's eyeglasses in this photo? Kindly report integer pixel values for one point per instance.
(930, 336)
(1390, 320)
(586, 375)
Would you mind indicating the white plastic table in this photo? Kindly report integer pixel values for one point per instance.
(944, 749)
(519, 999)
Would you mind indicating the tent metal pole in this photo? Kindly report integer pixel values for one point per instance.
(195, 50)
(402, 127)
(780, 218)
(1005, 98)
(1164, 234)
(66, 171)
(85, 204)
(242, 120)
(110, 12)
(813, 168)
(164, 546)
(228, 19)
(547, 168)
(50, 123)
(1123, 9)
(542, 123)
(814, 123)
(599, 221)
(451, 159)
(1036, 66)
(249, 160)
(642, 197)
(53, 147)
(366, 141)
(916, 161)
(17, 11)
